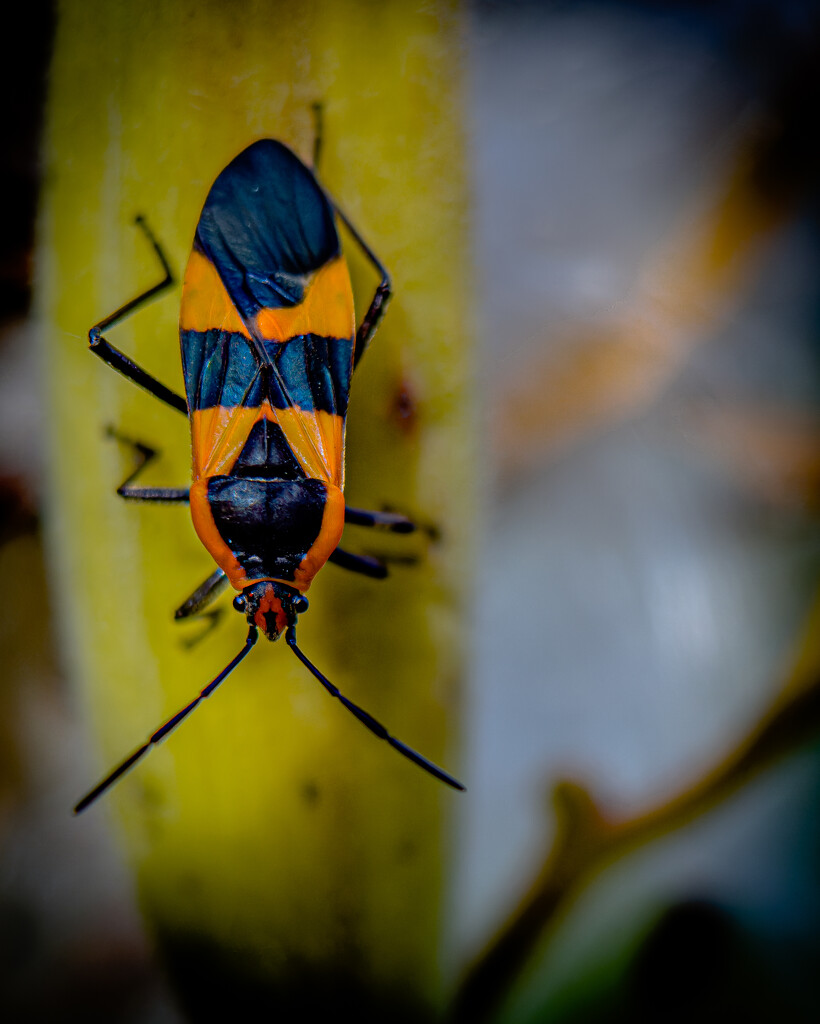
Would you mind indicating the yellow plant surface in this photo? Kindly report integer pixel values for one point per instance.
(278, 847)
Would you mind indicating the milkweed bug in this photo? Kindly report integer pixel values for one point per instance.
(269, 346)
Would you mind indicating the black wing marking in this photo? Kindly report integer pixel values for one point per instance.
(266, 226)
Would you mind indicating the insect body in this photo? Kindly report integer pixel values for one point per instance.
(267, 331)
(269, 345)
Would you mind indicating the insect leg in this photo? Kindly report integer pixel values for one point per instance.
(318, 125)
(375, 312)
(204, 594)
(116, 359)
(390, 520)
(194, 606)
(167, 495)
(363, 564)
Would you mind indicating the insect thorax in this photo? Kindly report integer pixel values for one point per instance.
(269, 525)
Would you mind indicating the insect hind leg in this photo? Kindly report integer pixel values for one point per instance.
(318, 110)
(387, 520)
(384, 290)
(383, 293)
(145, 454)
(118, 360)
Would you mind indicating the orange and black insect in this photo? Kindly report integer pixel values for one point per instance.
(269, 346)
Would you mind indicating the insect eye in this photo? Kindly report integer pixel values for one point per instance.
(239, 602)
(300, 604)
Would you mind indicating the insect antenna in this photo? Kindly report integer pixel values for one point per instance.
(368, 720)
(169, 726)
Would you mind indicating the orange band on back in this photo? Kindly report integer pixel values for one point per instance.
(206, 304)
(327, 308)
(316, 439)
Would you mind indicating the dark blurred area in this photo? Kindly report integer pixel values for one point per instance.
(25, 64)
(646, 179)
(727, 914)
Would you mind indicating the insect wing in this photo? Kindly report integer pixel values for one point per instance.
(267, 320)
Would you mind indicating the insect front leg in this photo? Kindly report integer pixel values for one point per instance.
(387, 520)
(367, 565)
(166, 495)
(118, 360)
(194, 607)
(204, 594)
(364, 564)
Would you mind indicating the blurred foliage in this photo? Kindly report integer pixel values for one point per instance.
(587, 841)
(688, 286)
(692, 961)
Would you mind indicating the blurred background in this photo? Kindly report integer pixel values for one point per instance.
(645, 186)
